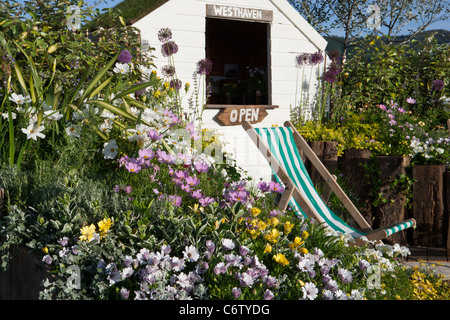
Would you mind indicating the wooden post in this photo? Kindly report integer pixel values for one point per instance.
(352, 165)
(447, 211)
(392, 209)
(428, 205)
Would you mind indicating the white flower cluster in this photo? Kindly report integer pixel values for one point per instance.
(36, 117)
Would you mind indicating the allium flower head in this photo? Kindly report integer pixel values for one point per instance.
(169, 48)
(437, 85)
(125, 57)
(316, 58)
(164, 35)
(204, 66)
(303, 59)
(168, 71)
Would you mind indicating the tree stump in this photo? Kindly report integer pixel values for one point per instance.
(352, 165)
(22, 280)
(428, 205)
(391, 208)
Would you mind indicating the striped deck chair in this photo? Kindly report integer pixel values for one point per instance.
(280, 146)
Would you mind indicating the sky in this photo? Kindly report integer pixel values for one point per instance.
(111, 3)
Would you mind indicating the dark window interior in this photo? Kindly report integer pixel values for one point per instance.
(239, 53)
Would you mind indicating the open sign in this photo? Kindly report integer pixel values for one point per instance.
(233, 115)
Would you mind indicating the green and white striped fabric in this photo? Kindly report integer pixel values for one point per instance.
(282, 146)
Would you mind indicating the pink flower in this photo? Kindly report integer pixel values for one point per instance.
(154, 135)
(383, 107)
(146, 154)
(197, 194)
(411, 100)
(206, 201)
(201, 167)
(192, 181)
(175, 200)
(275, 187)
(133, 166)
(401, 110)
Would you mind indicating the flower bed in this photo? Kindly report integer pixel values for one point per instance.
(122, 196)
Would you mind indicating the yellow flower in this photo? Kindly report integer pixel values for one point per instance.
(87, 233)
(281, 259)
(45, 249)
(253, 233)
(273, 221)
(288, 227)
(303, 250)
(268, 248)
(157, 94)
(261, 225)
(297, 243)
(104, 225)
(255, 211)
(272, 236)
(305, 234)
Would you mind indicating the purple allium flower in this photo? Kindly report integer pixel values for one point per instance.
(437, 85)
(176, 84)
(169, 48)
(164, 35)
(316, 58)
(168, 71)
(125, 57)
(303, 59)
(204, 66)
(334, 55)
(329, 77)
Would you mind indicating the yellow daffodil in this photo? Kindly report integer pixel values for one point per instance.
(87, 233)
(281, 259)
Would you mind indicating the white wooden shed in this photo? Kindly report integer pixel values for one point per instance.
(238, 35)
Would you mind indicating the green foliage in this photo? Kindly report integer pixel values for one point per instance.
(381, 72)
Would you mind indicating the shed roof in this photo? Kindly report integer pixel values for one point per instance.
(133, 10)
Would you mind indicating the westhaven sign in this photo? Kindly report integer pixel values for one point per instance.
(213, 10)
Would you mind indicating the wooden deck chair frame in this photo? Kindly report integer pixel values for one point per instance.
(292, 191)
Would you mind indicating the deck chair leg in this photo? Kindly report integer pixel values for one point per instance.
(327, 191)
(287, 194)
